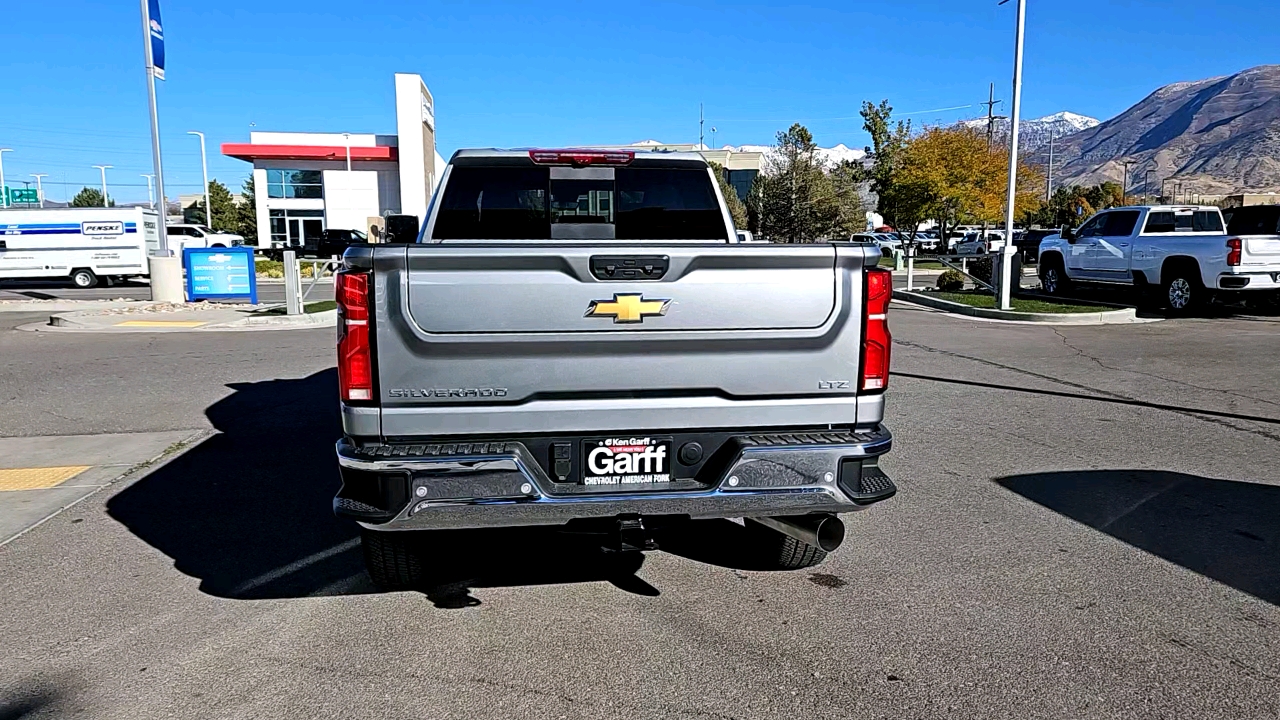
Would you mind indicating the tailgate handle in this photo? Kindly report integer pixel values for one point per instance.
(629, 267)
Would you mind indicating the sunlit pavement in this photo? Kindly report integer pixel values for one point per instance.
(1087, 527)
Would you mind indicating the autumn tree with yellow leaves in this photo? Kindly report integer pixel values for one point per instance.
(955, 178)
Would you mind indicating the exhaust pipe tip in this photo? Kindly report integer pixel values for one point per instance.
(825, 532)
(829, 533)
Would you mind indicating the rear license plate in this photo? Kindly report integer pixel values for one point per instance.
(625, 460)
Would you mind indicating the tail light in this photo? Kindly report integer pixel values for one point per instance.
(876, 340)
(355, 359)
(1233, 251)
(579, 158)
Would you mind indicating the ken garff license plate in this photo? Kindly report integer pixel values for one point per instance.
(625, 460)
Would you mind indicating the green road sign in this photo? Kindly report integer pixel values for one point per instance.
(22, 196)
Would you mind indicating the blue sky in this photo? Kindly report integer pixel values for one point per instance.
(72, 92)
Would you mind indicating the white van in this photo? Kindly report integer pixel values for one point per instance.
(87, 245)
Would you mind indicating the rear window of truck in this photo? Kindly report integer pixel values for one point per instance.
(1254, 220)
(1167, 222)
(526, 203)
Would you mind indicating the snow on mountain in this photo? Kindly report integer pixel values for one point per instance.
(1035, 133)
(830, 157)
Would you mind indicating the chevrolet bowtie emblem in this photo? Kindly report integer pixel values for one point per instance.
(627, 308)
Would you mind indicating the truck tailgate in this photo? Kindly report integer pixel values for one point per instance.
(511, 338)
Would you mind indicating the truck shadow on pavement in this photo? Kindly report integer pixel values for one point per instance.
(1226, 530)
(248, 512)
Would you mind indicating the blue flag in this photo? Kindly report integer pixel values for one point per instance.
(157, 39)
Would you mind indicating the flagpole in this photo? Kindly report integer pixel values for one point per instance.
(155, 126)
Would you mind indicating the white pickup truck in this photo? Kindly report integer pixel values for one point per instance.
(1185, 251)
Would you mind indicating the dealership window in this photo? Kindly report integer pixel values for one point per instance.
(294, 184)
(741, 181)
(279, 227)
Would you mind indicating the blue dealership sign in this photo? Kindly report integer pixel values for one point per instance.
(220, 274)
(156, 30)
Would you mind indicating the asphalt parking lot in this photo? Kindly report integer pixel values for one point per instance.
(1088, 526)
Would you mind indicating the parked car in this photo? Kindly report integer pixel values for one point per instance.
(888, 242)
(201, 236)
(332, 242)
(975, 243)
(1028, 242)
(1184, 251)
(765, 403)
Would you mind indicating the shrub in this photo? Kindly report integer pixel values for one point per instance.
(981, 268)
(951, 281)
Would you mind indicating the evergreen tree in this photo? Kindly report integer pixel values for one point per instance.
(736, 208)
(247, 212)
(797, 202)
(90, 197)
(225, 214)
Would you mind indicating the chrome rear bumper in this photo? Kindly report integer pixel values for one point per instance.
(481, 485)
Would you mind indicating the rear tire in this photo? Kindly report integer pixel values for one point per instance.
(392, 559)
(781, 552)
(1183, 291)
(84, 278)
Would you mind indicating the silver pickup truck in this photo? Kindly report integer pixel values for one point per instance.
(579, 339)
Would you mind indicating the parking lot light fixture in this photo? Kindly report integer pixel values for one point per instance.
(39, 186)
(4, 196)
(103, 169)
(1006, 264)
(204, 168)
(151, 197)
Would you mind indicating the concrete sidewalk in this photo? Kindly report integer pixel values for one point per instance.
(41, 476)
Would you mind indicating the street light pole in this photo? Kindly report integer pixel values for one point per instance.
(1007, 252)
(1048, 183)
(103, 169)
(346, 138)
(204, 168)
(151, 198)
(4, 195)
(39, 187)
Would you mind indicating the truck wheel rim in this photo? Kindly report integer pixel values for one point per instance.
(1051, 280)
(1179, 293)
(81, 280)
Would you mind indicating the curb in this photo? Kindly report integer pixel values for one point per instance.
(70, 322)
(1125, 316)
(320, 319)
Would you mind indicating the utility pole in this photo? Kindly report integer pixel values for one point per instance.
(204, 167)
(151, 198)
(1124, 186)
(39, 187)
(1162, 195)
(1146, 183)
(103, 169)
(4, 192)
(1007, 252)
(991, 117)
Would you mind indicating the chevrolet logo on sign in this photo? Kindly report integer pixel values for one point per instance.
(627, 308)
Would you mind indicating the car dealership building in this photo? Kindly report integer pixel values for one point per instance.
(306, 183)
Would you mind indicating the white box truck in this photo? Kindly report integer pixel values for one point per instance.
(87, 245)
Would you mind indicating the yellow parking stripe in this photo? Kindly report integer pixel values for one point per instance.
(161, 323)
(37, 478)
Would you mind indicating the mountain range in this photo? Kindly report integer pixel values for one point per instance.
(1213, 136)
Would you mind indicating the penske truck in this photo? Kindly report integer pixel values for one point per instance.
(89, 246)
